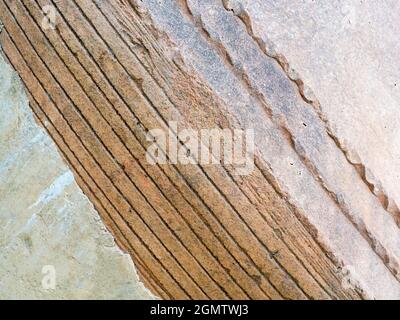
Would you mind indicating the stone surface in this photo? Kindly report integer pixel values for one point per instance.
(46, 221)
(347, 52)
(217, 38)
(317, 218)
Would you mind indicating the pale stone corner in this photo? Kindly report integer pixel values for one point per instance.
(46, 220)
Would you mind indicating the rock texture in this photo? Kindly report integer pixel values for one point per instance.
(46, 223)
(316, 219)
(348, 56)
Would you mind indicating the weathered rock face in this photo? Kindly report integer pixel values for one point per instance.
(347, 52)
(230, 45)
(47, 226)
(346, 57)
(316, 218)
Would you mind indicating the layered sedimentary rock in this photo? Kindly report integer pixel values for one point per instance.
(316, 218)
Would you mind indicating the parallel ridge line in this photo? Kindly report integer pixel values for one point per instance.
(72, 28)
(141, 150)
(68, 153)
(273, 258)
(95, 159)
(173, 176)
(329, 257)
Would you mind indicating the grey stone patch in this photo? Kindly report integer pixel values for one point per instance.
(53, 244)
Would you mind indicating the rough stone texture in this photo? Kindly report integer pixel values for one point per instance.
(347, 53)
(343, 55)
(342, 207)
(45, 219)
(316, 219)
